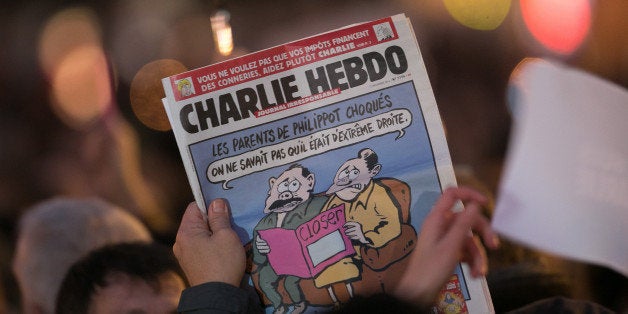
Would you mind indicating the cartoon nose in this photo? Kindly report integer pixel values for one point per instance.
(285, 195)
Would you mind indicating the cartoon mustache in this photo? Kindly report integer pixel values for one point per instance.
(282, 203)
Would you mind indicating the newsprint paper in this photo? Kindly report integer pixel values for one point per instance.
(331, 152)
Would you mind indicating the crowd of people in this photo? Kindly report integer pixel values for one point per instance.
(86, 255)
(89, 256)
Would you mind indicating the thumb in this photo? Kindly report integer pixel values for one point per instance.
(218, 215)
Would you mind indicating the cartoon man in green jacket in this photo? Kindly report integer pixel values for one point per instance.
(289, 204)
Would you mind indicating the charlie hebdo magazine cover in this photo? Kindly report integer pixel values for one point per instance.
(331, 152)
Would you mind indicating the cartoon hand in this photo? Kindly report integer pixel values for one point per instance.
(354, 231)
(262, 245)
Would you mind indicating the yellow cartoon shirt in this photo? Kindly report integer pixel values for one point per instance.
(375, 210)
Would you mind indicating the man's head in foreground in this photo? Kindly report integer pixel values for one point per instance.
(55, 233)
(132, 278)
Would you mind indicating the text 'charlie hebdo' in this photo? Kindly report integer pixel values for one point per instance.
(244, 103)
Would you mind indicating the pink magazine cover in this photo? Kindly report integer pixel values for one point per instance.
(312, 247)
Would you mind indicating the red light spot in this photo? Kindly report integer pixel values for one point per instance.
(560, 25)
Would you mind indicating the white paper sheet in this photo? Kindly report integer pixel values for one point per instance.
(565, 184)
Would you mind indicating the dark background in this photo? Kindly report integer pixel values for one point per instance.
(119, 158)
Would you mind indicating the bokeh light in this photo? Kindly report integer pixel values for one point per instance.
(559, 25)
(64, 31)
(71, 54)
(222, 32)
(478, 14)
(147, 91)
(81, 86)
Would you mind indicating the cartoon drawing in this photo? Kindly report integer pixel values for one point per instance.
(185, 87)
(372, 214)
(311, 247)
(450, 299)
(383, 31)
(450, 305)
(289, 204)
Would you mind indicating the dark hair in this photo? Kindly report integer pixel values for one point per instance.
(370, 157)
(146, 261)
(304, 171)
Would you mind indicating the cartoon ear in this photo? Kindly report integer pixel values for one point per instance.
(375, 170)
(310, 180)
(271, 183)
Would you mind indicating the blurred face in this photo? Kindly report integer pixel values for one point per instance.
(130, 295)
(289, 190)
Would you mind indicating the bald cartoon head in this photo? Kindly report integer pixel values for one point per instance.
(355, 175)
(293, 187)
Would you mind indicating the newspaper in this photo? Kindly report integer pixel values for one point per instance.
(331, 152)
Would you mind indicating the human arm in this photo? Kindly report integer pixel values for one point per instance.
(444, 241)
(213, 260)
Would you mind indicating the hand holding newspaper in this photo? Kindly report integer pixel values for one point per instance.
(331, 151)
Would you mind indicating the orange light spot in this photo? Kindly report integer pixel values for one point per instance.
(81, 87)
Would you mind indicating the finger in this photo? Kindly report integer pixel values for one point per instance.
(441, 214)
(466, 193)
(218, 215)
(483, 227)
(460, 229)
(435, 224)
(453, 194)
(192, 223)
(475, 256)
(192, 219)
(459, 236)
(192, 213)
(446, 201)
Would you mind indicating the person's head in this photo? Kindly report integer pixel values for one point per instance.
(57, 232)
(355, 175)
(123, 278)
(293, 187)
